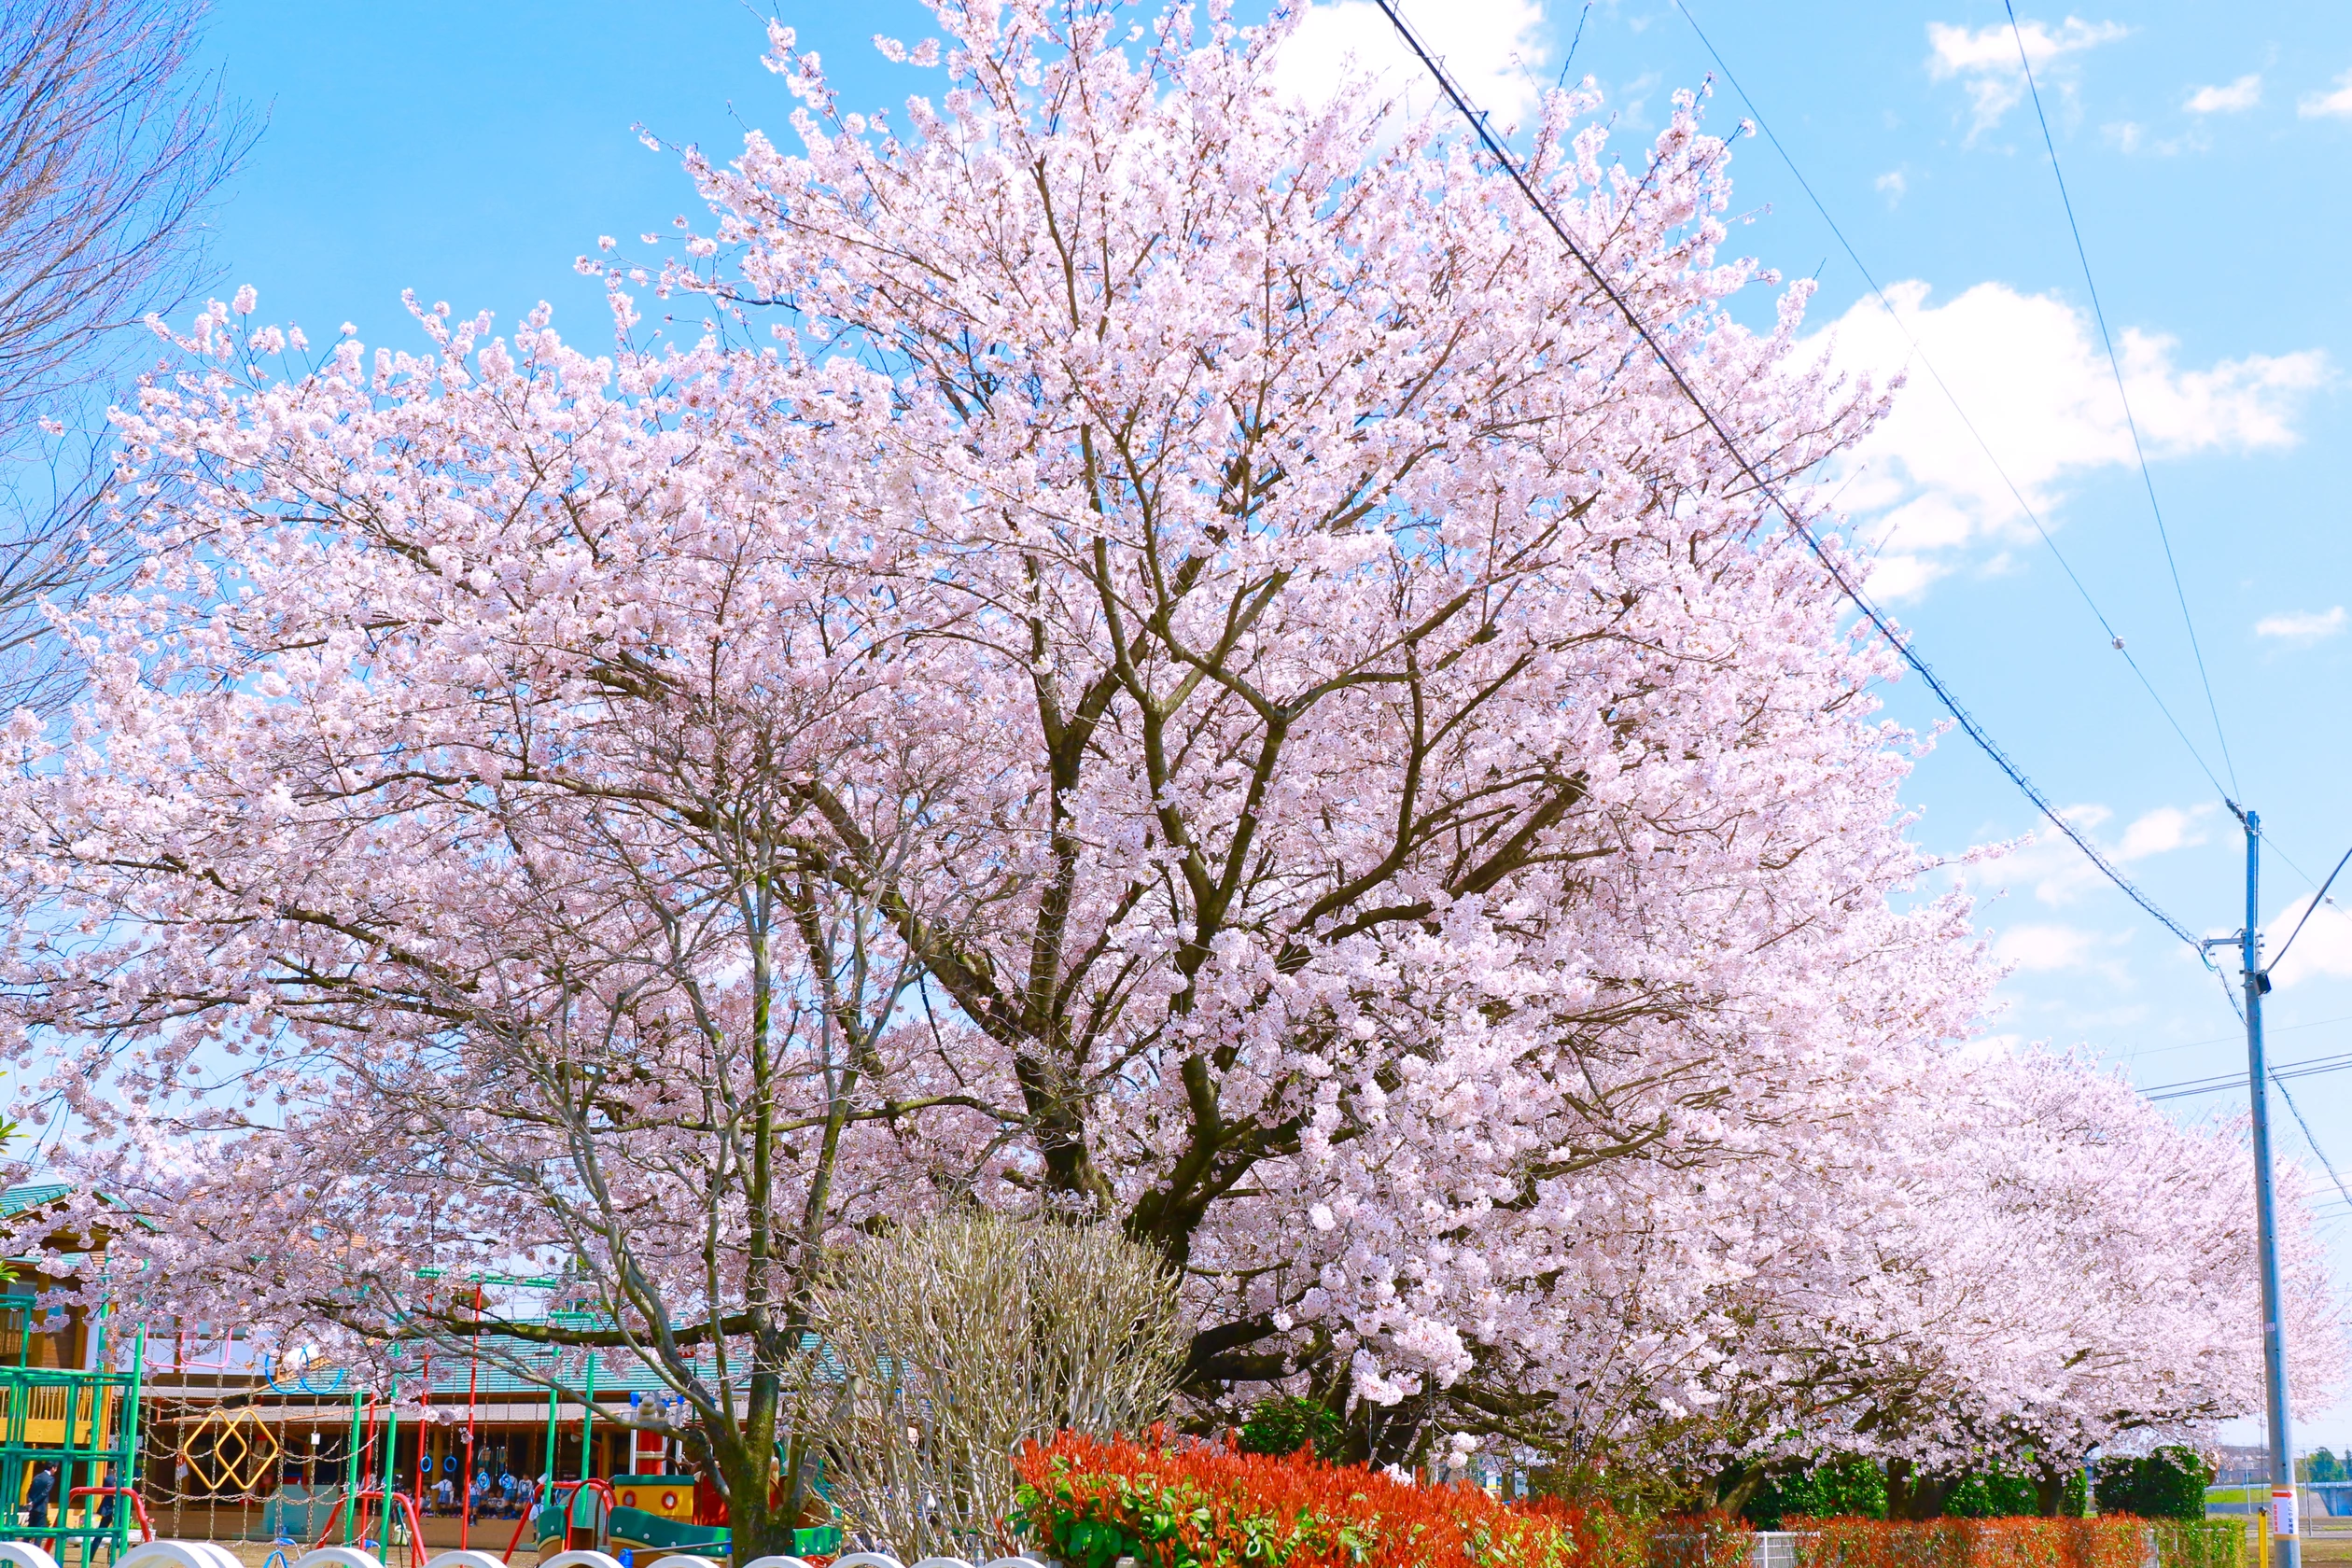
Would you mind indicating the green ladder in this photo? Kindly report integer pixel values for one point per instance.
(87, 1425)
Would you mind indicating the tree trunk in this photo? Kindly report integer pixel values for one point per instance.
(1734, 1484)
(756, 1526)
(1910, 1495)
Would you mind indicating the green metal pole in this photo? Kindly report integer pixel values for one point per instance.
(351, 1470)
(129, 1469)
(555, 1370)
(391, 1460)
(588, 1423)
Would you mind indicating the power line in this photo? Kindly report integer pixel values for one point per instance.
(2308, 1068)
(2325, 1163)
(2098, 314)
(2317, 899)
(1919, 352)
(1820, 553)
(2272, 844)
(2230, 1038)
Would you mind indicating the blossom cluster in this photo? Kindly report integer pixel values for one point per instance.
(1204, 677)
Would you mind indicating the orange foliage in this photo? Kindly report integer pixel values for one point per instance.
(1091, 1502)
(1961, 1543)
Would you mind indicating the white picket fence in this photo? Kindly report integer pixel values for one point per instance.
(205, 1554)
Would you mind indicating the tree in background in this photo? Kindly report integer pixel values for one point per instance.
(1241, 705)
(2056, 1265)
(2168, 1483)
(112, 149)
(1837, 1488)
(1284, 1424)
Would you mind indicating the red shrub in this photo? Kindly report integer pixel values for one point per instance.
(1960, 1543)
(1092, 1503)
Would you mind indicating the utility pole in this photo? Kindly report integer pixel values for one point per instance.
(2286, 1547)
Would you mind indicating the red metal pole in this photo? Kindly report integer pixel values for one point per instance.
(473, 1376)
(425, 1449)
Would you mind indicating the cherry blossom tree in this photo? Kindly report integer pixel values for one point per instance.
(2040, 1263)
(1205, 683)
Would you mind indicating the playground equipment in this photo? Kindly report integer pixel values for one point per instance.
(573, 1519)
(369, 1503)
(269, 1471)
(669, 1497)
(205, 1554)
(86, 1424)
(138, 1504)
(589, 1516)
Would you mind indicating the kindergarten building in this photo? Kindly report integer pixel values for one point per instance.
(220, 1441)
(236, 1449)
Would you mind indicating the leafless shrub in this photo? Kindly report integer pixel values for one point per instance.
(943, 1347)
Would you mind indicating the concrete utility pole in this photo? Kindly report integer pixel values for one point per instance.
(2286, 1545)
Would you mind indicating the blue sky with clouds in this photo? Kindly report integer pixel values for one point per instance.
(472, 151)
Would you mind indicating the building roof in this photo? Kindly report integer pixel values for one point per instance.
(31, 1195)
(454, 1375)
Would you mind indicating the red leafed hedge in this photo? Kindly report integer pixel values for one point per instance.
(1091, 1502)
(1962, 1543)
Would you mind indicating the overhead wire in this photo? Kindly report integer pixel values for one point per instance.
(1830, 563)
(2326, 1164)
(1919, 351)
(2098, 314)
(2310, 1067)
(2278, 1076)
(2317, 899)
(2229, 1039)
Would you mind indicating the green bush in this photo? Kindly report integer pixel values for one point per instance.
(1283, 1425)
(1993, 1493)
(2200, 1542)
(2168, 1484)
(1835, 1489)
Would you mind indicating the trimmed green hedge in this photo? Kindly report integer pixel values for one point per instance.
(2168, 1484)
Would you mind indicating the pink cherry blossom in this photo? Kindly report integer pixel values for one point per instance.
(1206, 680)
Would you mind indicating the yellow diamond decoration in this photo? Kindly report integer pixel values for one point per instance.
(231, 1451)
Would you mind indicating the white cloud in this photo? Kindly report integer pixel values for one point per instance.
(1892, 184)
(2159, 832)
(1494, 49)
(1990, 1047)
(2030, 374)
(2241, 94)
(2038, 949)
(2301, 625)
(2129, 136)
(2333, 105)
(2058, 872)
(1986, 59)
(2324, 946)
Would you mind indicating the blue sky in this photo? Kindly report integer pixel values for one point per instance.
(472, 151)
